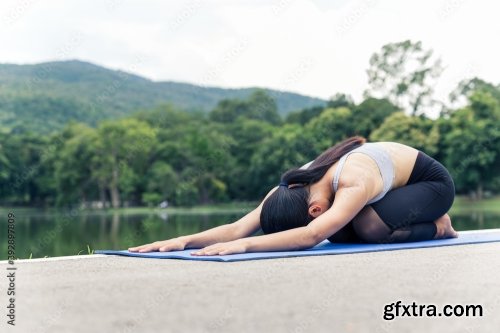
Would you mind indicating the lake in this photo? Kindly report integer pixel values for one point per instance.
(62, 233)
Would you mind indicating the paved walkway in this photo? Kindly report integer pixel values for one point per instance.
(337, 293)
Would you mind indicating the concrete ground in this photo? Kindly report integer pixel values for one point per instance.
(336, 293)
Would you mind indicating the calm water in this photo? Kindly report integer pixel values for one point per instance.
(60, 234)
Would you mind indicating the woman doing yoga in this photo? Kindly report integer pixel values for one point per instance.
(380, 192)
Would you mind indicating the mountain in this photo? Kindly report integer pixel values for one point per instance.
(44, 97)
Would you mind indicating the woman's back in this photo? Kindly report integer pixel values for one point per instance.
(371, 170)
(403, 158)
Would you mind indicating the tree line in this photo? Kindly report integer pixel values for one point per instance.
(239, 149)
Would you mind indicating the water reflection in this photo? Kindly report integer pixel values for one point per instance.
(43, 234)
(476, 220)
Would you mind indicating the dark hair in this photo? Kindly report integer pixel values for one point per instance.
(288, 208)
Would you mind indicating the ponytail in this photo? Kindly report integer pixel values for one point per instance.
(320, 166)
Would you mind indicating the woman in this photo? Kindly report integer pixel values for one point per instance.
(355, 191)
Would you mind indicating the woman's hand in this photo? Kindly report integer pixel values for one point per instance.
(232, 247)
(174, 244)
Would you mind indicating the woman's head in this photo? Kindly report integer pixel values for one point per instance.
(286, 208)
(292, 205)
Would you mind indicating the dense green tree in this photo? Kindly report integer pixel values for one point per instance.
(73, 172)
(162, 181)
(167, 116)
(197, 157)
(370, 114)
(288, 147)
(24, 157)
(240, 149)
(330, 127)
(292, 145)
(263, 107)
(248, 135)
(5, 168)
(258, 106)
(122, 152)
(472, 144)
(228, 110)
(340, 100)
(303, 116)
(209, 156)
(418, 132)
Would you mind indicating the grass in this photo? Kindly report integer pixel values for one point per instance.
(89, 251)
(29, 258)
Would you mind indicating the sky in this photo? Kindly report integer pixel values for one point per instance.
(312, 47)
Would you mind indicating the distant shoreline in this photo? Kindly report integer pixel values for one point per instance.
(462, 203)
(235, 207)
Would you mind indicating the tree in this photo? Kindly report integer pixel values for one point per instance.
(472, 145)
(340, 100)
(418, 132)
(167, 116)
(330, 127)
(5, 168)
(122, 152)
(248, 136)
(227, 110)
(263, 107)
(404, 73)
(209, 156)
(288, 147)
(24, 157)
(200, 155)
(73, 173)
(370, 114)
(303, 116)
(162, 182)
(467, 88)
(258, 106)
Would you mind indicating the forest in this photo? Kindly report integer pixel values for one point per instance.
(237, 150)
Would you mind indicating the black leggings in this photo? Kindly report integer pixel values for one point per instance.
(408, 212)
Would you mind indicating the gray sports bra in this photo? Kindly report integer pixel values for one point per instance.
(380, 156)
(384, 163)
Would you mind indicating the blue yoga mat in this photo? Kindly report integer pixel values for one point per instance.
(323, 248)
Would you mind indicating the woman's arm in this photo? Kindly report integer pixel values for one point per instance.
(348, 202)
(245, 226)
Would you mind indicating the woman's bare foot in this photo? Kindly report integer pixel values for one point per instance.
(444, 228)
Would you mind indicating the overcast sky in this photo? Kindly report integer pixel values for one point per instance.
(314, 47)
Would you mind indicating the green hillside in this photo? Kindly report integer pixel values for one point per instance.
(43, 97)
